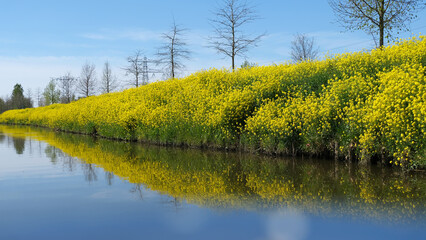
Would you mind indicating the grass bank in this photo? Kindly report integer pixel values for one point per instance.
(361, 105)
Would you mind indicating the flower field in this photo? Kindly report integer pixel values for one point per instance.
(366, 105)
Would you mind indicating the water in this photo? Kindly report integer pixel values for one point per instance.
(65, 186)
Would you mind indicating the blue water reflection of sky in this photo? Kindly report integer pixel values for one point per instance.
(47, 201)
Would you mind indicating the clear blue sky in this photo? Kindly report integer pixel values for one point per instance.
(43, 39)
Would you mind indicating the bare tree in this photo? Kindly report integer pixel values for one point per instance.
(109, 81)
(135, 67)
(303, 48)
(67, 87)
(376, 17)
(173, 51)
(87, 81)
(39, 97)
(229, 38)
(30, 96)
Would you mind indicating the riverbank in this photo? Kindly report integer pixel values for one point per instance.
(358, 106)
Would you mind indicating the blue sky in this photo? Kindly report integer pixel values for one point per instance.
(43, 39)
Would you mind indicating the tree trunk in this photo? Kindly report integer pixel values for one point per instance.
(382, 23)
(336, 151)
(233, 47)
(233, 62)
(173, 59)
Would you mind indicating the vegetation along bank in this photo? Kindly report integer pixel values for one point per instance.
(365, 105)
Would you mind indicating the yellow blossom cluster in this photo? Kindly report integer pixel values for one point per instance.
(365, 104)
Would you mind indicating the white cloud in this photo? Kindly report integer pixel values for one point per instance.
(5, 41)
(95, 36)
(128, 34)
(186, 221)
(337, 42)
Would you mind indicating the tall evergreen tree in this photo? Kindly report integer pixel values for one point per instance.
(18, 100)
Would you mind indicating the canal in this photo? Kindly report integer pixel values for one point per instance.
(67, 186)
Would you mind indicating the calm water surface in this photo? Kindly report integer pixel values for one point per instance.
(64, 186)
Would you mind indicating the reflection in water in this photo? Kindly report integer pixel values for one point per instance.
(228, 180)
(19, 145)
(69, 163)
(287, 224)
(53, 153)
(137, 188)
(89, 171)
(2, 138)
(109, 176)
(175, 203)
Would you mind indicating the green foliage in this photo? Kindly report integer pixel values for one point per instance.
(51, 94)
(3, 107)
(16, 101)
(247, 64)
(18, 91)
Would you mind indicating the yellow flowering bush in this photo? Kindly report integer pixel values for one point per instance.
(365, 104)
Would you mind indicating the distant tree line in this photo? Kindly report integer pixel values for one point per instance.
(67, 88)
(63, 89)
(16, 101)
